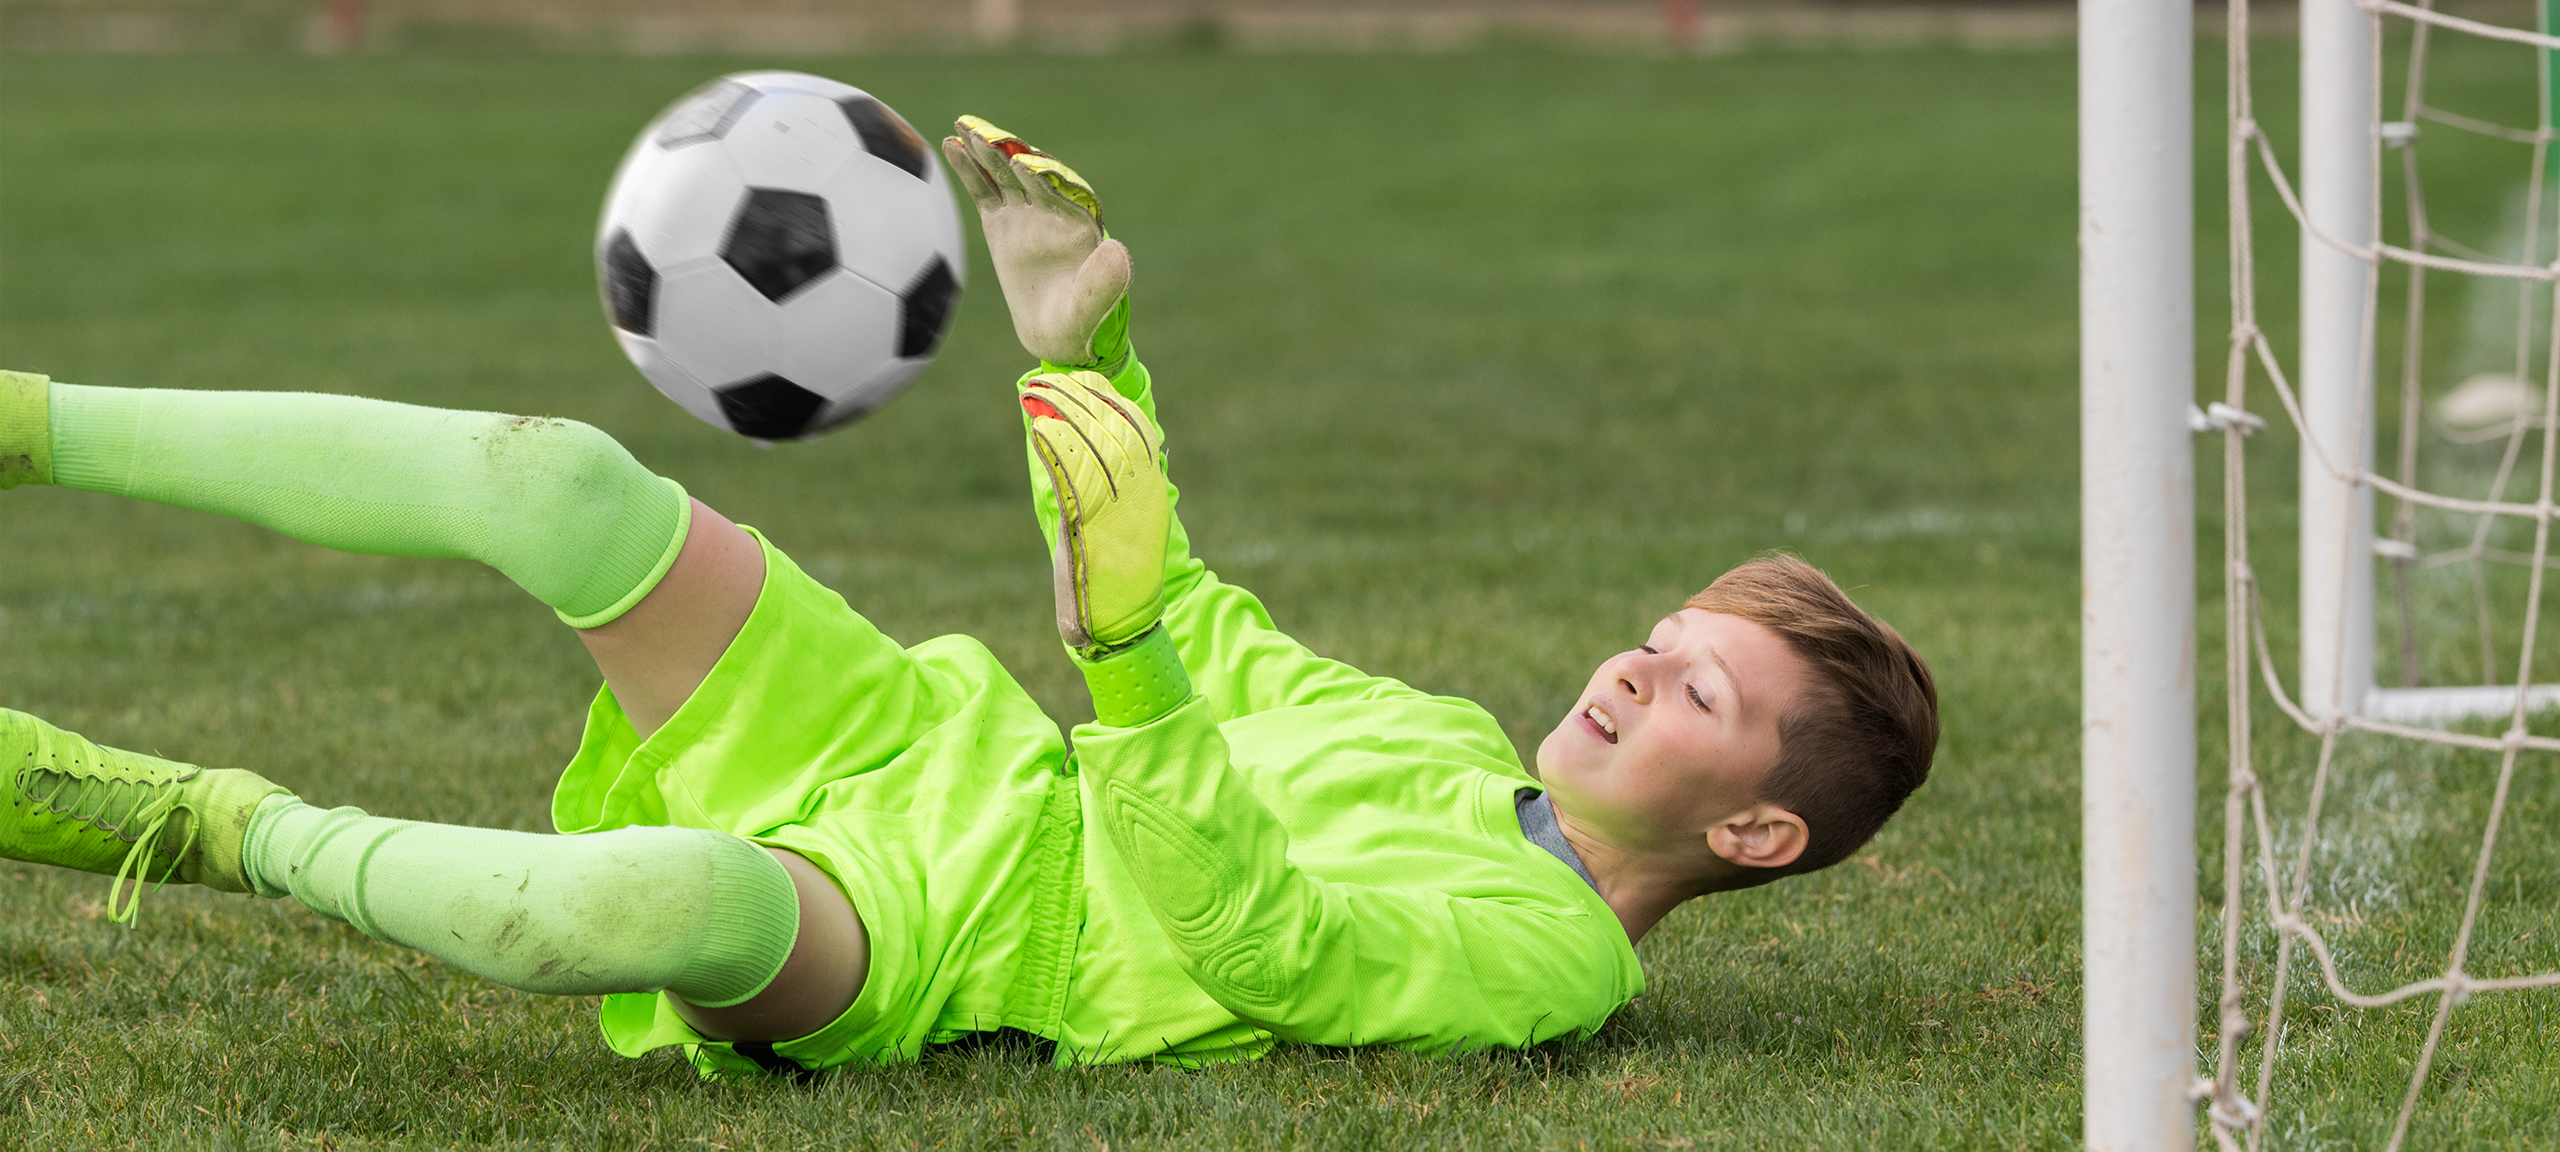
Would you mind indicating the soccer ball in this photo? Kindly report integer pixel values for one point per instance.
(780, 254)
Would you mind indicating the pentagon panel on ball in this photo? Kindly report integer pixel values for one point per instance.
(780, 254)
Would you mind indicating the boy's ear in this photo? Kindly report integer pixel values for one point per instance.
(1761, 836)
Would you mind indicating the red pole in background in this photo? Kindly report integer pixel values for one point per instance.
(1680, 25)
(345, 23)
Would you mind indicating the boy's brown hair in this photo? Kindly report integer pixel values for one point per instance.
(1861, 741)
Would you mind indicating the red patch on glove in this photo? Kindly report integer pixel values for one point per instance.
(1015, 147)
(1039, 407)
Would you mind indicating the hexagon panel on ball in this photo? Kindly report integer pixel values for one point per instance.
(889, 226)
(792, 140)
(676, 205)
(837, 333)
(715, 325)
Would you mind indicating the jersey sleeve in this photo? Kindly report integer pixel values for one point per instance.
(1239, 661)
(1320, 962)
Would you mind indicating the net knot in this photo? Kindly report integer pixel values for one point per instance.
(2221, 417)
(2236, 1112)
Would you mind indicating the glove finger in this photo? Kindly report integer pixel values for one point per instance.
(1057, 187)
(991, 159)
(1038, 175)
(973, 179)
(1068, 559)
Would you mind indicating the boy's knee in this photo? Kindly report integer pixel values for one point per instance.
(542, 451)
(726, 910)
(571, 516)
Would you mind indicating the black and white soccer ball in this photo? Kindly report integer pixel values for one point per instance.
(780, 253)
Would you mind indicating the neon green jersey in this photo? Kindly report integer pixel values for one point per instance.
(1307, 852)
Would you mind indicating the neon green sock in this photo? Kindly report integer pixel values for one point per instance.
(557, 506)
(702, 914)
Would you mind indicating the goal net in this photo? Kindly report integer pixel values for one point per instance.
(2369, 906)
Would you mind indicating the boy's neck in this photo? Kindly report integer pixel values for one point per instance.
(1641, 886)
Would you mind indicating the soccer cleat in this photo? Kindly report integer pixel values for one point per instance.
(1065, 280)
(141, 819)
(1103, 457)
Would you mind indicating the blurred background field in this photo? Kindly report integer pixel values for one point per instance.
(805, 26)
(1473, 363)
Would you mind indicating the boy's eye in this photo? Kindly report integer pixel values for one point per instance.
(1648, 649)
(1694, 698)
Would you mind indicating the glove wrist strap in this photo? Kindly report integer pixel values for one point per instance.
(1136, 685)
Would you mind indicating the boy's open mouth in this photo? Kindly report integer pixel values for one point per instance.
(1599, 718)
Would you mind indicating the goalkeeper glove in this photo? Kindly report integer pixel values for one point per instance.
(1105, 461)
(1065, 281)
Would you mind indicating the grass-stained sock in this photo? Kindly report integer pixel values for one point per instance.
(702, 914)
(557, 506)
(26, 430)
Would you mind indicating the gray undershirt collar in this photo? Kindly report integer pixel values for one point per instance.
(1538, 823)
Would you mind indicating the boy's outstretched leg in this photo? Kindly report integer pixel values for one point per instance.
(555, 505)
(754, 943)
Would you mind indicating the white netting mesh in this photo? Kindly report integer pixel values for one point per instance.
(2480, 533)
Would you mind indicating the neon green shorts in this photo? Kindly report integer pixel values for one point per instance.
(924, 779)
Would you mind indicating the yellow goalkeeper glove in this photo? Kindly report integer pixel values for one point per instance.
(1065, 281)
(1104, 458)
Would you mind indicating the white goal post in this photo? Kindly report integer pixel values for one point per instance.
(2137, 572)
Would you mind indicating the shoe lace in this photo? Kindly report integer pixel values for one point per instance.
(97, 801)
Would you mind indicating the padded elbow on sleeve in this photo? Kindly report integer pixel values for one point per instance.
(555, 505)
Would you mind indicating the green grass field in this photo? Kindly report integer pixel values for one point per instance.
(1474, 365)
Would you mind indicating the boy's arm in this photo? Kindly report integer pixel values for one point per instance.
(1238, 659)
(1066, 283)
(1321, 962)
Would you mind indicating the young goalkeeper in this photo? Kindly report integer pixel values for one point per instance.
(795, 845)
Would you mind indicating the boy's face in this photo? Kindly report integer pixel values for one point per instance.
(1675, 736)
